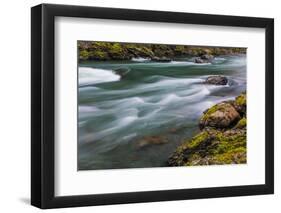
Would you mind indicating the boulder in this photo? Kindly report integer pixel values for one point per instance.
(161, 59)
(199, 61)
(221, 116)
(217, 80)
(207, 57)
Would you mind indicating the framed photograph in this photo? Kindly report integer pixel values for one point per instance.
(139, 106)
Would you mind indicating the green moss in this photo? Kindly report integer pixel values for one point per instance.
(84, 54)
(197, 140)
(225, 143)
(212, 147)
(179, 48)
(241, 124)
(99, 55)
(116, 47)
(232, 156)
(241, 99)
(140, 50)
(210, 111)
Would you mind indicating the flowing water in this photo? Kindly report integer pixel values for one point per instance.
(135, 113)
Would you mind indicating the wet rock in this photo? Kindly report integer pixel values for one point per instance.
(161, 59)
(207, 57)
(198, 61)
(217, 80)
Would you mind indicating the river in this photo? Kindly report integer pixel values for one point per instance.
(133, 114)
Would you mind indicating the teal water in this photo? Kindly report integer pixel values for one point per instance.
(122, 103)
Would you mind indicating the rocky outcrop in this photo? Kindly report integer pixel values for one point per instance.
(91, 50)
(216, 80)
(222, 139)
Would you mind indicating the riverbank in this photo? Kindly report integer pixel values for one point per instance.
(105, 51)
(222, 139)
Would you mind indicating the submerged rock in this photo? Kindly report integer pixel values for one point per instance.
(217, 80)
(152, 140)
(221, 116)
(122, 71)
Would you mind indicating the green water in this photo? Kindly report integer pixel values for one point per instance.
(117, 114)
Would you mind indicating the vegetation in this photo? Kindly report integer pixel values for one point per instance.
(92, 50)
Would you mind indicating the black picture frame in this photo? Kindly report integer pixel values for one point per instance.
(43, 102)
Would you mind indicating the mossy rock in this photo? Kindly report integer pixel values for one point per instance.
(222, 115)
(211, 148)
(241, 124)
(118, 52)
(84, 55)
(240, 104)
(98, 55)
(139, 51)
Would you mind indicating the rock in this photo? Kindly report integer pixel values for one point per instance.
(173, 130)
(211, 147)
(161, 59)
(240, 104)
(140, 51)
(216, 80)
(222, 115)
(241, 124)
(151, 140)
(122, 71)
(198, 61)
(207, 57)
